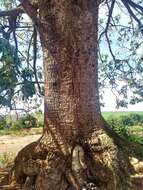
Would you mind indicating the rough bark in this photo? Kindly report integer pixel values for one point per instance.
(70, 64)
(75, 151)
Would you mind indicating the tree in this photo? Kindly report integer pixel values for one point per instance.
(77, 149)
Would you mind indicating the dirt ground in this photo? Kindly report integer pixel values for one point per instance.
(12, 144)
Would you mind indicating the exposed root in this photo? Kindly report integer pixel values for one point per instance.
(96, 163)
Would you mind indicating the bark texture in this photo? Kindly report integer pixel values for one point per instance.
(75, 151)
(70, 60)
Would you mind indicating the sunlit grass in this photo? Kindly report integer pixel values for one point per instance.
(120, 113)
(21, 132)
(6, 159)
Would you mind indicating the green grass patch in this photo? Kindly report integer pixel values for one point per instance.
(21, 132)
(120, 113)
(137, 130)
(6, 159)
(136, 133)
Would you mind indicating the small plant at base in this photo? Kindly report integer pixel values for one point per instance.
(6, 159)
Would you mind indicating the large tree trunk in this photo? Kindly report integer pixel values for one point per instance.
(69, 41)
(75, 151)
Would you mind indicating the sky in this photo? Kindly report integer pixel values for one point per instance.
(110, 103)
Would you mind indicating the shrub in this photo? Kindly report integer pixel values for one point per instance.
(122, 123)
(40, 118)
(118, 125)
(3, 123)
(113, 121)
(137, 119)
(6, 159)
(125, 120)
(23, 122)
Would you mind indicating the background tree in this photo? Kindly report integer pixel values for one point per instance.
(75, 134)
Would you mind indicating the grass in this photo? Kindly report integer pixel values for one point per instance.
(138, 130)
(136, 133)
(21, 132)
(120, 113)
(6, 159)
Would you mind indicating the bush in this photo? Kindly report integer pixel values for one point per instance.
(23, 122)
(40, 118)
(118, 124)
(3, 123)
(125, 120)
(121, 124)
(137, 119)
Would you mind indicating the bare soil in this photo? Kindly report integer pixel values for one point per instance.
(12, 144)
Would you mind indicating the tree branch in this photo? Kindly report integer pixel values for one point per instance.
(126, 4)
(35, 58)
(109, 19)
(30, 9)
(15, 11)
(135, 5)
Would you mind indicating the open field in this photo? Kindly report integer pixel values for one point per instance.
(120, 113)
